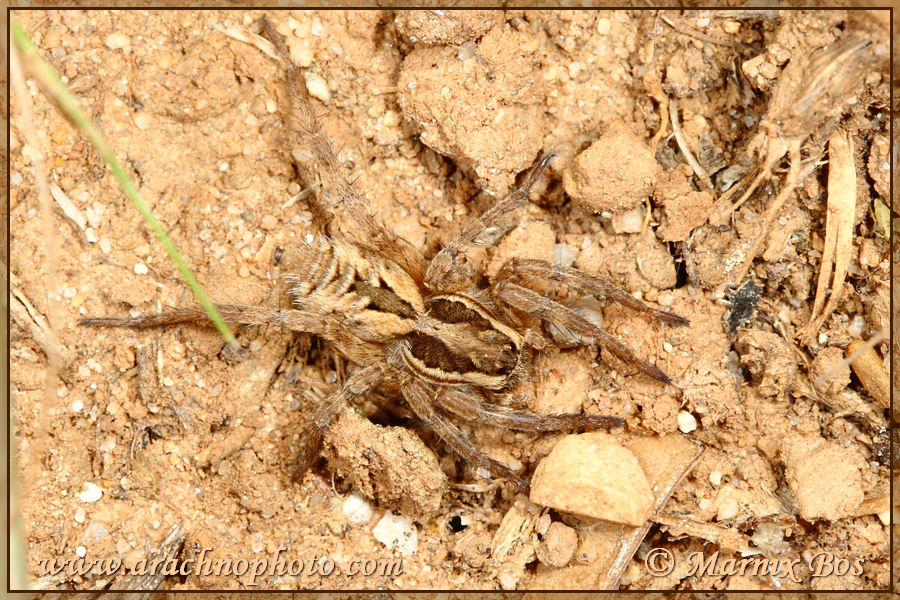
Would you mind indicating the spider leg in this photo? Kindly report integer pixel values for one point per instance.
(373, 235)
(418, 397)
(516, 268)
(551, 310)
(464, 403)
(242, 314)
(358, 384)
(444, 272)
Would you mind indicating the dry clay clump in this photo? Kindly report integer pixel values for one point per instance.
(478, 103)
(826, 479)
(433, 27)
(614, 175)
(391, 465)
(592, 475)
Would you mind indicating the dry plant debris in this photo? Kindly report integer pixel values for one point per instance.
(169, 431)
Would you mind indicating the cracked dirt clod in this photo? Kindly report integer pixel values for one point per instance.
(389, 464)
(769, 359)
(615, 174)
(828, 362)
(592, 475)
(558, 546)
(492, 98)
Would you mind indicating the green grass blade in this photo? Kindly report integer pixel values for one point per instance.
(59, 93)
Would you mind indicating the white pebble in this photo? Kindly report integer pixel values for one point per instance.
(81, 551)
(629, 222)
(90, 235)
(117, 41)
(885, 517)
(91, 492)
(317, 87)
(16, 178)
(715, 478)
(668, 347)
(563, 255)
(686, 422)
(857, 325)
(603, 26)
(80, 515)
(140, 269)
(357, 509)
(823, 339)
(105, 245)
(77, 406)
(398, 533)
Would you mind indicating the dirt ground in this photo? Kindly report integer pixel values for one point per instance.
(149, 435)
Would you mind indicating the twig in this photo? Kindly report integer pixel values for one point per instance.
(868, 367)
(682, 145)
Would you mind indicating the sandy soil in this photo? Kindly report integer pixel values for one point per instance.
(436, 115)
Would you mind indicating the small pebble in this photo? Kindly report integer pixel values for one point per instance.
(508, 581)
(77, 406)
(398, 533)
(117, 41)
(603, 26)
(140, 269)
(715, 478)
(80, 515)
(105, 246)
(357, 509)
(731, 27)
(81, 551)
(686, 422)
(631, 221)
(317, 87)
(91, 492)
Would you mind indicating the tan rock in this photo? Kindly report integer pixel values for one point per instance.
(593, 475)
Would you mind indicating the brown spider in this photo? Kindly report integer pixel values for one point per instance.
(449, 342)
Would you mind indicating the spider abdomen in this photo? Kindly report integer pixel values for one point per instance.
(460, 342)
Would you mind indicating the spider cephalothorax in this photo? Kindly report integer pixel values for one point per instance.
(434, 329)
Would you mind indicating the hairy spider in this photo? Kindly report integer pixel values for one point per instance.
(451, 340)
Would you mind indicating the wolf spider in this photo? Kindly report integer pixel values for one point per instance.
(450, 340)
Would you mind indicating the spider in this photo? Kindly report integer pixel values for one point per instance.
(451, 341)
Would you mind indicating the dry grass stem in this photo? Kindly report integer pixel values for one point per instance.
(838, 230)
